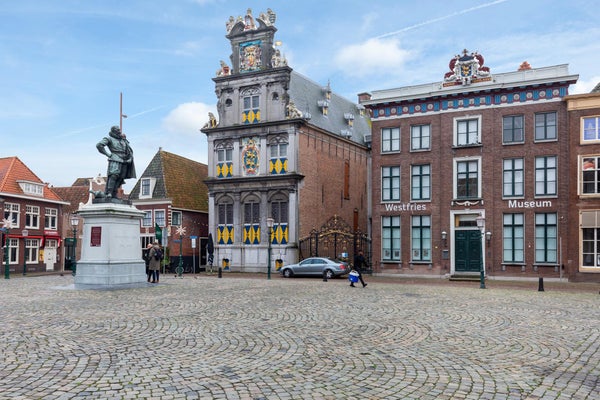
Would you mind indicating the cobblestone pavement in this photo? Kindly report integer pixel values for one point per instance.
(201, 337)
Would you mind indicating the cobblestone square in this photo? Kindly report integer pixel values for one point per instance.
(246, 337)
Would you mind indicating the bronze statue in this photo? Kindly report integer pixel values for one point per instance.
(120, 161)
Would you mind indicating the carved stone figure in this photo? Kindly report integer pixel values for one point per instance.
(212, 121)
(120, 161)
(293, 111)
(224, 70)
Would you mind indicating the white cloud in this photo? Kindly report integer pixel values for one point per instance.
(585, 86)
(375, 56)
(187, 118)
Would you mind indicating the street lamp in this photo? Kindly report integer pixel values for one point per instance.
(25, 233)
(481, 225)
(270, 223)
(74, 223)
(181, 231)
(7, 224)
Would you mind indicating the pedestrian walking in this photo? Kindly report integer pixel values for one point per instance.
(155, 255)
(359, 261)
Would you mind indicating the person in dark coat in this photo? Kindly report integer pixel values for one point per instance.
(146, 256)
(154, 264)
(359, 261)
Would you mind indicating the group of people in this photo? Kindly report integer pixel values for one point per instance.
(153, 257)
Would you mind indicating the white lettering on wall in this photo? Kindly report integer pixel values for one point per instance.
(529, 204)
(405, 207)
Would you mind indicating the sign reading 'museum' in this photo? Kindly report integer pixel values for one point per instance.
(405, 207)
(529, 204)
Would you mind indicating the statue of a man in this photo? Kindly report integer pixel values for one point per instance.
(120, 160)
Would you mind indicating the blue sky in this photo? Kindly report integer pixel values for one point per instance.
(64, 63)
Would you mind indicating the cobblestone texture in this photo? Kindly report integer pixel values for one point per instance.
(251, 338)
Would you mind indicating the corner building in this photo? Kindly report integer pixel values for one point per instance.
(584, 226)
(282, 148)
(470, 173)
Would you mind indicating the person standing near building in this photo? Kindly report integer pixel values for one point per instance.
(146, 256)
(359, 261)
(155, 255)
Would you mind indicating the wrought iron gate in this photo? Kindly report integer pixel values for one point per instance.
(337, 240)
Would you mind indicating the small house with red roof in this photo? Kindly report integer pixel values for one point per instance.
(32, 221)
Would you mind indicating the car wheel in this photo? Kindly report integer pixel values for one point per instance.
(287, 273)
(328, 273)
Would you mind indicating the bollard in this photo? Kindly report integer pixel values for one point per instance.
(324, 276)
(220, 273)
(541, 285)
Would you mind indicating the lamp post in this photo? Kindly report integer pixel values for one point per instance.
(25, 233)
(270, 223)
(481, 225)
(7, 224)
(181, 231)
(74, 223)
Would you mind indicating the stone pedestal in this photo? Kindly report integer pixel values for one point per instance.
(111, 252)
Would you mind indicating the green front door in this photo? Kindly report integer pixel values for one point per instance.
(467, 250)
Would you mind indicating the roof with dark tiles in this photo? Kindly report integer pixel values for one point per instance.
(13, 170)
(177, 178)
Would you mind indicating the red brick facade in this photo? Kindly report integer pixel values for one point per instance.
(526, 223)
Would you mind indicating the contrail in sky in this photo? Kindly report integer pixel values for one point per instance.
(431, 21)
(89, 128)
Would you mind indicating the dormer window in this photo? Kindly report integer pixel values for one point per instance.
(147, 187)
(324, 105)
(349, 117)
(327, 91)
(32, 188)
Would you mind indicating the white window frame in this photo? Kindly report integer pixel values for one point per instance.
(547, 180)
(51, 219)
(12, 212)
(418, 128)
(147, 218)
(149, 183)
(455, 176)
(590, 125)
(32, 217)
(395, 254)
(476, 140)
(392, 143)
(160, 216)
(395, 184)
(174, 222)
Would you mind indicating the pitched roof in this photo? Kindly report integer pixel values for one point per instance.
(306, 95)
(74, 195)
(177, 178)
(13, 170)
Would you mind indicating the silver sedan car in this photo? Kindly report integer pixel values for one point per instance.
(316, 266)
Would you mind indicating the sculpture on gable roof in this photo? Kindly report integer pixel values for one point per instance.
(249, 21)
(466, 69)
(224, 70)
(212, 121)
(267, 19)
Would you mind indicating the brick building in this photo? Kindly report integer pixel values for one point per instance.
(583, 247)
(172, 194)
(32, 214)
(470, 173)
(284, 149)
